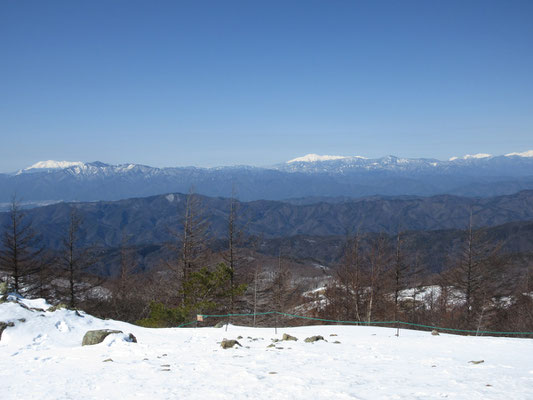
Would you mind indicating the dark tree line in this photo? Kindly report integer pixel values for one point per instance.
(377, 278)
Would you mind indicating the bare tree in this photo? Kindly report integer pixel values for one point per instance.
(347, 290)
(124, 285)
(75, 261)
(400, 273)
(280, 286)
(188, 251)
(230, 256)
(377, 261)
(189, 248)
(44, 274)
(233, 255)
(415, 277)
(477, 275)
(257, 271)
(19, 255)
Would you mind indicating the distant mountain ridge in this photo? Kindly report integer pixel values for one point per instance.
(309, 176)
(310, 229)
(151, 220)
(474, 165)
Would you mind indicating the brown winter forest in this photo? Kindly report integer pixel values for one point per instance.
(207, 260)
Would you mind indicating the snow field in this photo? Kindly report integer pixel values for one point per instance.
(42, 358)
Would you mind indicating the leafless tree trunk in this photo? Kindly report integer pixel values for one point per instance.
(378, 261)
(256, 277)
(75, 261)
(230, 255)
(477, 274)
(18, 255)
(399, 273)
(280, 286)
(124, 288)
(191, 251)
(349, 280)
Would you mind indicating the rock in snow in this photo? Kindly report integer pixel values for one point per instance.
(228, 344)
(313, 339)
(98, 336)
(286, 336)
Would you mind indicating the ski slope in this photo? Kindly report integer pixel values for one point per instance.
(42, 358)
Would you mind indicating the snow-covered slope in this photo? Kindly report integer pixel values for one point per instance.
(528, 153)
(92, 169)
(42, 358)
(51, 164)
(314, 158)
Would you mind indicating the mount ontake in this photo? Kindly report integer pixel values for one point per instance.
(308, 176)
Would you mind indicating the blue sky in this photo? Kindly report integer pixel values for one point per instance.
(259, 82)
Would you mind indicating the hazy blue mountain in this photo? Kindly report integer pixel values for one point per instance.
(152, 219)
(309, 176)
(308, 230)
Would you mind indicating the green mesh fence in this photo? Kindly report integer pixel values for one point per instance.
(359, 323)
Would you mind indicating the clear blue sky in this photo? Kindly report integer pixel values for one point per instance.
(259, 82)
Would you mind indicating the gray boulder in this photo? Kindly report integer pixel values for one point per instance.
(97, 336)
(286, 336)
(228, 344)
(313, 339)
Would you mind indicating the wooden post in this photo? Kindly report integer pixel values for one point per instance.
(199, 318)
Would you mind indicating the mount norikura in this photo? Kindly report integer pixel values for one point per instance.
(310, 176)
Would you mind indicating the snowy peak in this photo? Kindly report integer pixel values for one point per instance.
(469, 164)
(478, 155)
(525, 154)
(528, 153)
(471, 156)
(77, 168)
(315, 158)
(51, 164)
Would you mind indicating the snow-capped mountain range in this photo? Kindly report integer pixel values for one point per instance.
(310, 163)
(314, 163)
(312, 175)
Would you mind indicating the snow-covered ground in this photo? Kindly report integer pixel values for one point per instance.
(42, 358)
